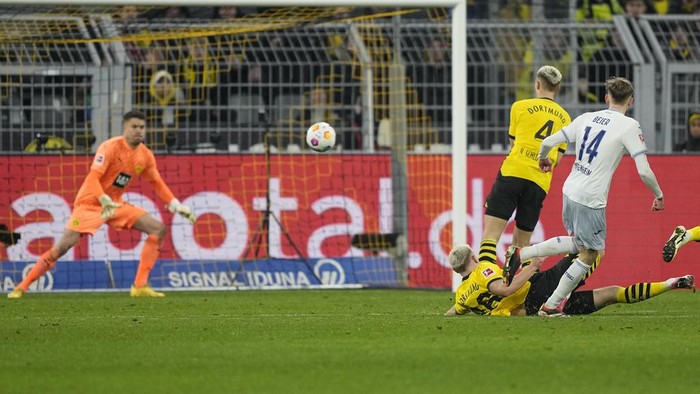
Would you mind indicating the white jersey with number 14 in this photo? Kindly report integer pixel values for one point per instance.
(600, 138)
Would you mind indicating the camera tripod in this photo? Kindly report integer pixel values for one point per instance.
(262, 231)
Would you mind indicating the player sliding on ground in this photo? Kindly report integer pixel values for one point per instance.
(99, 201)
(484, 292)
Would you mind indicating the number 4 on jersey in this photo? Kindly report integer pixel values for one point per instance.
(545, 131)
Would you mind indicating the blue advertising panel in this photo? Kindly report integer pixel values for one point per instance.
(203, 274)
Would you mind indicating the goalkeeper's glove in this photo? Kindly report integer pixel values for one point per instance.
(108, 206)
(176, 207)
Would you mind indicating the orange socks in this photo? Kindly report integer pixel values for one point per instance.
(43, 264)
(149, 255)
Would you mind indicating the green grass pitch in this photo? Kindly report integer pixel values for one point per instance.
(339, 341)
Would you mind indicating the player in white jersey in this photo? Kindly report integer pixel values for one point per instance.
(600, 138)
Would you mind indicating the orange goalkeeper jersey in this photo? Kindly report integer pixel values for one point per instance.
(118, 164)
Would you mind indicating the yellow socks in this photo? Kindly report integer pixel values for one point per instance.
(641, 291)
(487, 251)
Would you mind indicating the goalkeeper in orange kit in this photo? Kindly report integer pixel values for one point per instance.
(99, 200)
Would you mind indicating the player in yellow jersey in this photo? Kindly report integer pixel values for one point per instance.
(680, 237)
(117, 163)
(520, 185)
(483, 292)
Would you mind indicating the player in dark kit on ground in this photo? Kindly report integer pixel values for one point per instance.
(483, 291)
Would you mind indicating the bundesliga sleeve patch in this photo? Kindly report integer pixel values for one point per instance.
(641, 137)
(487, 272)
(99, 159)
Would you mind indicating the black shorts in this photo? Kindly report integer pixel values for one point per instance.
(544, 283)
(509, 193)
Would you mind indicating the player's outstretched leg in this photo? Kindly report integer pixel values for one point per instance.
(677, 239)
(643, 291)
(45, 263)
(639, 292)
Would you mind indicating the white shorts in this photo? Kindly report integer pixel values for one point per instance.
(586, 225)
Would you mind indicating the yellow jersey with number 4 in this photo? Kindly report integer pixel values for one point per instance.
(531, 121)
(473, 293)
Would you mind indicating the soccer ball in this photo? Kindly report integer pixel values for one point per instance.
(320, 137)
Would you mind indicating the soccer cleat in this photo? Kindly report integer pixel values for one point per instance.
(145, 291)
(512, 263)
(556, 312)
(16, 293)
(674, 243)
(684, 282)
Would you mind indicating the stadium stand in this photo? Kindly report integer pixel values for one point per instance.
(221, 81)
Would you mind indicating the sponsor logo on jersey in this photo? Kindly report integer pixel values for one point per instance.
(122, 180)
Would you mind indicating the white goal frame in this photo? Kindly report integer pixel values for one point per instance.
(458, 21)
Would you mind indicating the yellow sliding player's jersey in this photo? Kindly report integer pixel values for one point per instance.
(531, 121)
(473, 294)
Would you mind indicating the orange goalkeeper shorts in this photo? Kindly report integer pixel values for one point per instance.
(86, 219)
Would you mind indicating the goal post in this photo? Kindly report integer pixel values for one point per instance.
(334, 194)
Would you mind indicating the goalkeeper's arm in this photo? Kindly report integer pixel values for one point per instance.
(163, 191)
